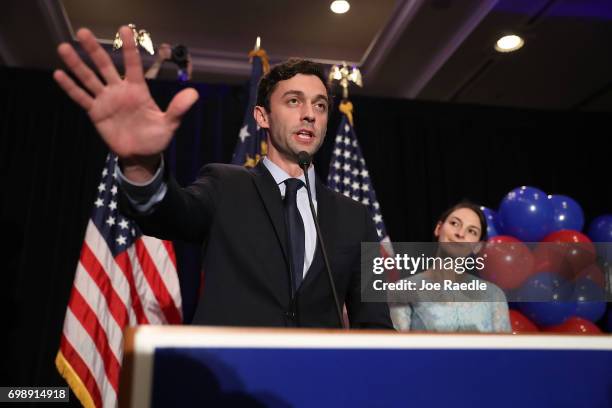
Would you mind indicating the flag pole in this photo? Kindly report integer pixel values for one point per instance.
(252, 145)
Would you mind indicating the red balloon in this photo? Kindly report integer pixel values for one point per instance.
(567, 236)
(508, 262)
(594, 273)
(502, 238)
(566, 252)
(521, 324)
(546, 258)
(576, 325)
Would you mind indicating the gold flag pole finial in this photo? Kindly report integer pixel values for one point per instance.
(344, 76)
(141, 37)
(257, 51)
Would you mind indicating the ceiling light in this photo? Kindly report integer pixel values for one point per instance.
(509, 43)
(340, 6)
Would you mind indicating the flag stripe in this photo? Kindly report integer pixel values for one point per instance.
(95, 301)
(165, 279)
(148, 300)
(171, 254)
(124, 262)
(155, 282)
(120, 281)
(86, 349)
(82, 370)
(94, 270)
(89, 321)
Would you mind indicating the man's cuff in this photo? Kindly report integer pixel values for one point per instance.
(143, 196)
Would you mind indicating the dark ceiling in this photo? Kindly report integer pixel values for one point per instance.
(438, 50)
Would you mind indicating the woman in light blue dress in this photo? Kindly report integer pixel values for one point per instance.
(461, 228)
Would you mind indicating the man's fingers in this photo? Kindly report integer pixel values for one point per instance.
(98, 55)
(181, 104)
(131, 57)
(75, 92)
(72, 60)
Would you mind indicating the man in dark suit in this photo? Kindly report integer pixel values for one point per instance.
(262, 259)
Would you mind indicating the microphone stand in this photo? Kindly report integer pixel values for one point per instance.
(304, 162)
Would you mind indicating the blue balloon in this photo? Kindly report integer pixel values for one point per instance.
(550, 298)
(567, 213)
(600, 229)
(545, 286)
(493, 228)
(527, 214)
(590, 300)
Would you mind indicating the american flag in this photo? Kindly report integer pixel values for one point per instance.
(123, 278)
(349, 175)
(252, 144)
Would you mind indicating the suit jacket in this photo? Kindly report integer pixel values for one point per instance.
(237, 214)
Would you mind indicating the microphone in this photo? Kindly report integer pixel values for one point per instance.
(304, 161)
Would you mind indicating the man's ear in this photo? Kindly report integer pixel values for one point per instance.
(261, 117)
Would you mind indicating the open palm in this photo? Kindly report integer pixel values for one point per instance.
(125, 115)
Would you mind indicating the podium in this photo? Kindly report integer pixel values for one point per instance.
(184, 366)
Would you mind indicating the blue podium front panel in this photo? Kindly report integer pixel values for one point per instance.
(381, 378)
(381, 370)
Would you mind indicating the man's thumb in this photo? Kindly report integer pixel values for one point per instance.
(181, 103)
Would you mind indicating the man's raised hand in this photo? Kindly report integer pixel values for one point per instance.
(125, 115)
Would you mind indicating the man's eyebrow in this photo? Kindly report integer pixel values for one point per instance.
(293, 92)
(300, 93)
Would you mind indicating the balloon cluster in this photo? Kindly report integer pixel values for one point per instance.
(560, 271)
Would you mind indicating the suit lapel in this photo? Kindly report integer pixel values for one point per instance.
(325, 212)
(270, 196)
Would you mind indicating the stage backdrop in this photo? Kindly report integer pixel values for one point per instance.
(422, 158)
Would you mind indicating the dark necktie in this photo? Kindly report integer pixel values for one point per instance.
(295, 229)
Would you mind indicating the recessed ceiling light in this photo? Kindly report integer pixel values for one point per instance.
(509, 43)
(340, 6)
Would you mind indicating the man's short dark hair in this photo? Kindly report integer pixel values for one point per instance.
(284, 71)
